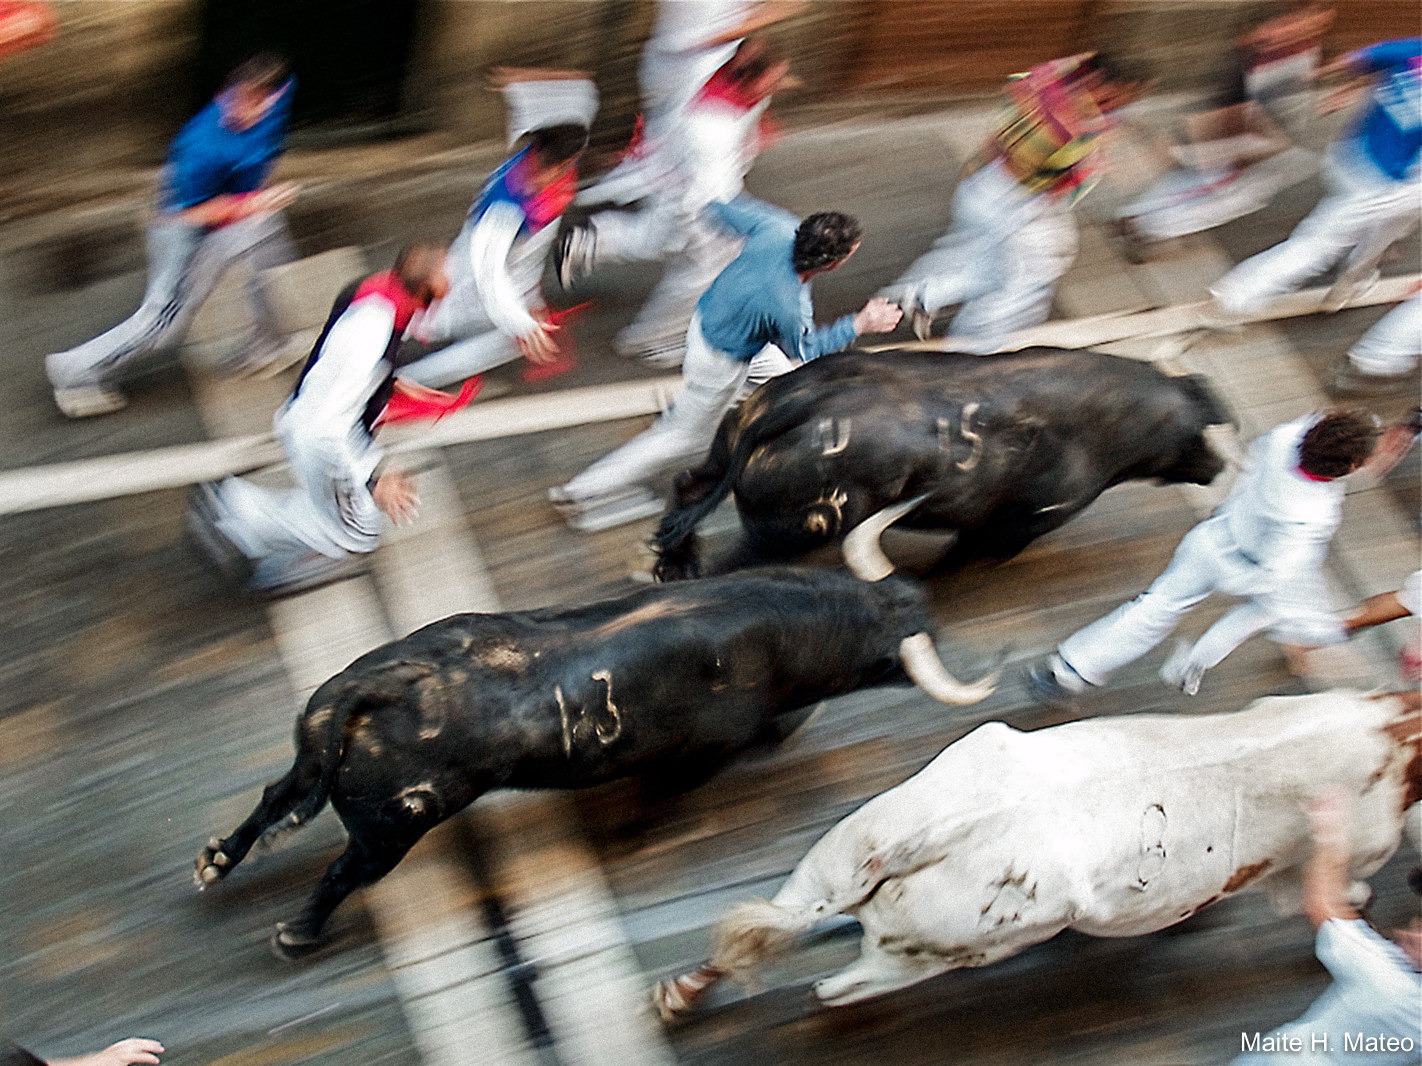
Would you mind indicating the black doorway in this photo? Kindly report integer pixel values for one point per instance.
(351, 57)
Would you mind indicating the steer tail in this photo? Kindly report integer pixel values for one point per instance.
(756, 932)
(767, 414)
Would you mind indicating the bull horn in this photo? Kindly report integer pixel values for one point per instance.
(862, 553)
(921, 662)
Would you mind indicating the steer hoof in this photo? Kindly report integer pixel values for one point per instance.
(211, 865)
(290, 944)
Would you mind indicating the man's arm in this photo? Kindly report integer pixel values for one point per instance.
(877, 316)
(1325, 880)
(1375, 611)
(489, 246)
(227, 208)
(766, 13)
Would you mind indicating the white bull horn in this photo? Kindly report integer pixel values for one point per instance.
(921, 663)
(862, 553)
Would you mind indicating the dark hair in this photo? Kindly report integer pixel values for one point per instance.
(265, 72)
(416, 263)
(825, 239)
(558, 144)
(1121, 70)
(1337, 444)
(751, 60)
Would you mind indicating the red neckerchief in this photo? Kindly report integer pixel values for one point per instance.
(724, 87)
(547, 205)
(1312, 477)
(387, 284)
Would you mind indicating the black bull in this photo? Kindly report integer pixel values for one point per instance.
(669, 680)
(1007, 448)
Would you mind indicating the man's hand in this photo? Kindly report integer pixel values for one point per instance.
(539, 345)
(124, 1053)
(394, 493)
(273, 198)
(879, 315)
(1391, 449)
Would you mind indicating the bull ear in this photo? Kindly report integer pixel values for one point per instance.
(862, 553)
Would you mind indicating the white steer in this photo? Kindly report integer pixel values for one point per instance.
(1111, 826)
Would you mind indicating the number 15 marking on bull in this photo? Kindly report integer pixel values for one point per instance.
(975, 440)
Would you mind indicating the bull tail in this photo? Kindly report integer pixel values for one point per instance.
(1214, 410)
(320, 744)
(755, 932)
(751, 934)
(769, 413)
(696, 493)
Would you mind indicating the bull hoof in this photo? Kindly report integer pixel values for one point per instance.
(211, 865)
(290, 944)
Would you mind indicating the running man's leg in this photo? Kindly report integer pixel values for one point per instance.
(769, 362)
(1355, 209)
(265, 244)
(329, 514)
(1394, 343)
(172, 247)
(712, 381)
(1185, 670)
(1094, 653)
(1030, 261)
(660, 328)
(961, 264)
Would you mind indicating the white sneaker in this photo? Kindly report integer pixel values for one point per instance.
(1178, 673)
(573, 255)
(665, 353)
(86, 401)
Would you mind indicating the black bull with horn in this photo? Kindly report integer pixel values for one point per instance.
(995, 450)
(671, 680)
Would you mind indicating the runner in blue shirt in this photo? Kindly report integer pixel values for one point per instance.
(757, 311)
(212, 211)
(1373, 194)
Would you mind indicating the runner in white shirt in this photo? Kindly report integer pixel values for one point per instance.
(690, 41)
(495, 311)
(1267, 542)
(317, 531)
(1372, 1012)
(707, 155)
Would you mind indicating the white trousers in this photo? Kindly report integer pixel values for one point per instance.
(1001, 260)
(1394, 344)
(1362, 213)
(185, 263)
(1189, 201)
(693, 251)
(330, 512)
(479, 345)
(1206, 561)
(712, 381)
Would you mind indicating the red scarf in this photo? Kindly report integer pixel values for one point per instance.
(726, 89)
(388, 285)
(548, 204)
